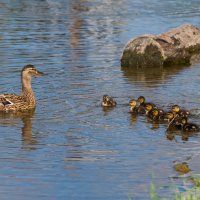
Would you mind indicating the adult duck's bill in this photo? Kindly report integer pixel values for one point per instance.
(38, 73)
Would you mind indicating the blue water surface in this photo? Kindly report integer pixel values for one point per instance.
(71, 148)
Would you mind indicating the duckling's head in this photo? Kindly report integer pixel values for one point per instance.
(132, 103)
(141, 99)
(184, 120)
(175, 108)
(184, 113)
(161, 111)
(155, 112)
(169, 115)
(148, 107)
(105, 97)
(30, 70)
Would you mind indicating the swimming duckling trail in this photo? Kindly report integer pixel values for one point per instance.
(175, 119)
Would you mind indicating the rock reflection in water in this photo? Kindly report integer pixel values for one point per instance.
(149, 76)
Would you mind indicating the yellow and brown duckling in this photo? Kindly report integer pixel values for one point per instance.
(175, 121)
(140, 109)
(156, 114)
(152, 111)
(178, 111)
(142, 101)
(108, 101)
(133, 106)
(144, 107)
(27, 101)
(148, 108)
(189, 127)
(153, 114)
(169, 116)
(142, 104)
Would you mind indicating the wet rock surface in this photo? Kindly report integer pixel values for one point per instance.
(179, 46)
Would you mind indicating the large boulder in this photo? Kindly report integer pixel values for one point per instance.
(179, 46)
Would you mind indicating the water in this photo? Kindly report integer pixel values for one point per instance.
(70, 148)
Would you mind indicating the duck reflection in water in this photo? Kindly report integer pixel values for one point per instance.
(133, 118)
(171, 135)
(27, 137)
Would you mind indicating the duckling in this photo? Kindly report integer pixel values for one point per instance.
(189, 127)
(154, 115)
(169, 116)
(161, 112)
(161, 115)
(108, 101)
(174, 120)
(181, 113)
(142, 104)
(148, 108)
(141, 100)
(133, 106)
(27, 101)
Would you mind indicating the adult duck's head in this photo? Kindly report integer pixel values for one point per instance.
(26, 74)
(29, 70)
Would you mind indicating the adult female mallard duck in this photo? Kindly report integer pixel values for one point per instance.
(108, 101)
(27, 101)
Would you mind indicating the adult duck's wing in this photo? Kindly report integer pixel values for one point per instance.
(10, 99)
(4, 101)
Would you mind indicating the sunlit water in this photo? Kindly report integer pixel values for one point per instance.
(70, 148)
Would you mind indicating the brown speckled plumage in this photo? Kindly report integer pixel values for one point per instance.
(27, 101)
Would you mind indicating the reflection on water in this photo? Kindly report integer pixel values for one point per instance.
(175, 135)
(133, 118)
(149, 76)
(27, 135)
(184, 136)
(106, 110)
(82, 151)
(7, 119)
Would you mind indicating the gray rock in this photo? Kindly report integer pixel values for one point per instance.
(179, 46)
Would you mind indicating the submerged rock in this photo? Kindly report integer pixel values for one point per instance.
(178, 46)
(182, 168)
